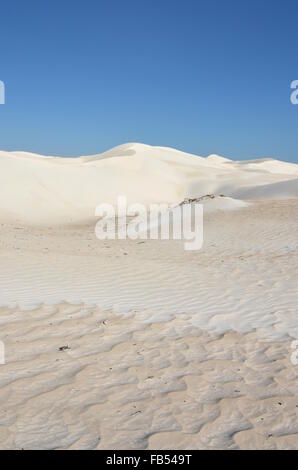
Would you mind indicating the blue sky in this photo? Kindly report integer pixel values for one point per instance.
(202, 76)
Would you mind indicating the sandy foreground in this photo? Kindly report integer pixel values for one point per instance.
(142, 345)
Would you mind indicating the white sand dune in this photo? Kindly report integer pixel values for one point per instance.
(281, 190)
(129, 344)
(38, 189)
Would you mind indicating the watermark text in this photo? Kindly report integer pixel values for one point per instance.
(2, 353)
(294, 94)
(2, 92)
(158, 221)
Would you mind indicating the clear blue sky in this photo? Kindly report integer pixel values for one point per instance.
(203, 76)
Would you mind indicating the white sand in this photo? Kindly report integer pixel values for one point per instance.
(126, 385)
(244, 278)
(37, 189)
(167, 348)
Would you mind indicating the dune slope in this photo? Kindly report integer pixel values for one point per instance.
(47, 190)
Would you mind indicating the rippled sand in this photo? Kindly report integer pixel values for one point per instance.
(122, 384)
(149, 346)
